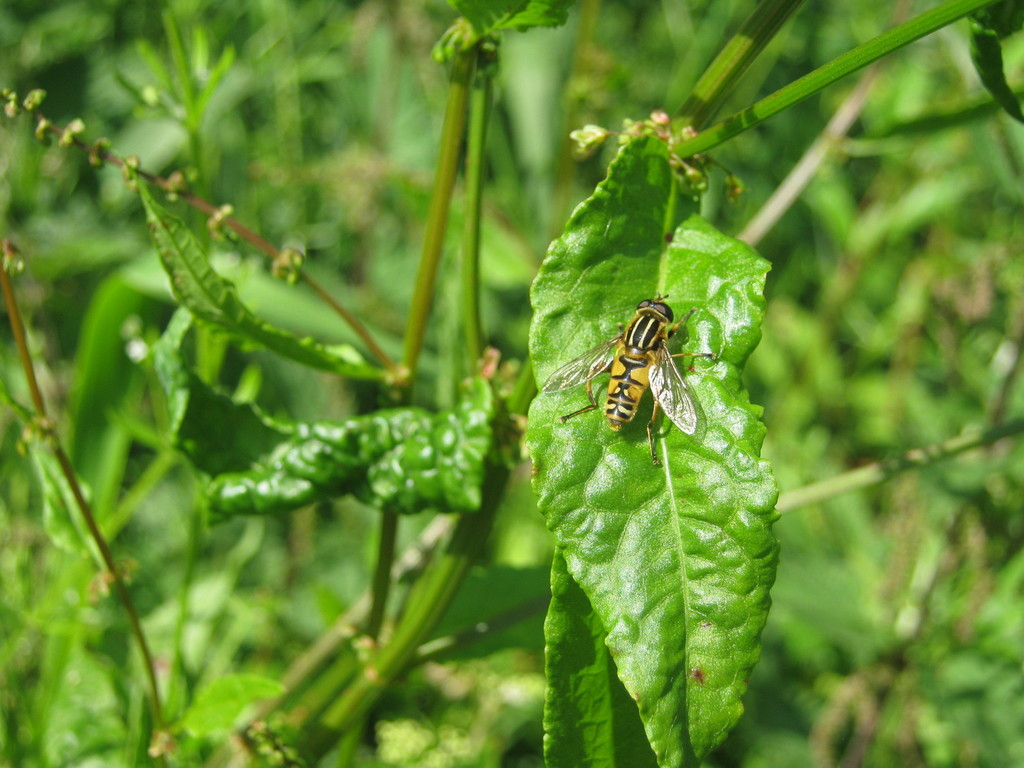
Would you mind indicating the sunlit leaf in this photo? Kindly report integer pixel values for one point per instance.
(676, 560)
(589, 717)
(219, 704)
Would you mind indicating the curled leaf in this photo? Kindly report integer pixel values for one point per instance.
(404, 460)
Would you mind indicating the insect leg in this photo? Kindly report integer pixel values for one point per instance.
(650, 436)
(592, 407)
(705, 355)
(672, 331)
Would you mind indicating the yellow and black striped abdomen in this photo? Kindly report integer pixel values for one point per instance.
(630, 377)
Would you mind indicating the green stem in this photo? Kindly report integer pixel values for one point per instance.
(525, 388)
(179, 57)
(733, 60)
(178, 666)
(440, 202)
(347, 748)
(382, 574)
(255, 240)
(18, 332)
(874, 474)
(811, 83)
(315, 678)
(427, 602)
(479, 112)
(565, 169)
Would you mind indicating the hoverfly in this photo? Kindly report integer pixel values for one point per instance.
(637, 358)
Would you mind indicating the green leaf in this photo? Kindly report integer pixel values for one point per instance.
(155, 63)
(227, 58)
(404, 459)
(215, 300)
(105, 379)
(61, 517)
(85, 712)
(676, 560)
(219, 704)
(589, 719)
(988, 27)
(218, 434)
(492, 15)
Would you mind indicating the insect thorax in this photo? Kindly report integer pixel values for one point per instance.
(646, 331)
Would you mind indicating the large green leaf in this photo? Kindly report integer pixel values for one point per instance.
(401, 459)
(676, 560)
(404, 460)
(215, 300)
(589, 717)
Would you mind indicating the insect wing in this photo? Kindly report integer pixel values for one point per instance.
(583, 368)
(672, 392)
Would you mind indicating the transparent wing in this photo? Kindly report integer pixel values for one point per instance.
(672, 392)
(583, 368)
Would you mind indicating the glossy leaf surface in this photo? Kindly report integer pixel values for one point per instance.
(589, 717)
(405, 460)
(676, 560)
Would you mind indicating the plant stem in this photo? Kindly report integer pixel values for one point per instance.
(427, 602)
(382, 573)
(440, 202)
(733, 60)
(823, 76)
(878, 472)
(800, 176)
(479, 112)
(525, 388)
(187, 96)
(321, 671)
(572, 95)
(825, 144)
(18, 332)
(256, 241)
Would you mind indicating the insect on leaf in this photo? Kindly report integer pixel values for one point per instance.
(676, 561)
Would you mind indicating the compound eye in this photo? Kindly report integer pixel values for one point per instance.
(666, 310)
(644, 304)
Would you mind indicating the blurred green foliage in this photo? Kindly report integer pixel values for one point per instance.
(895, 320)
